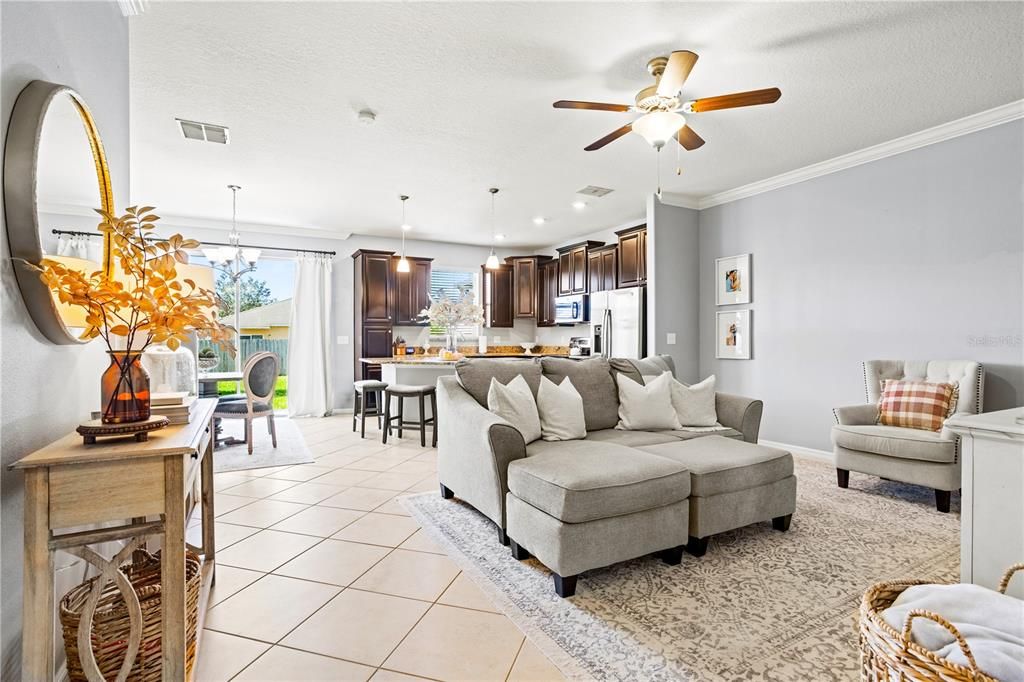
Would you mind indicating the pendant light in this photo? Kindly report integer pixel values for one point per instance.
(403, 262)
(492, 260)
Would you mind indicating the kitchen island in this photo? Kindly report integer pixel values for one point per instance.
(423, 370)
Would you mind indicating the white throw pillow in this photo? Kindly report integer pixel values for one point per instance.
(561, 411)
(695, 404)
(646, 407)
(514, 403)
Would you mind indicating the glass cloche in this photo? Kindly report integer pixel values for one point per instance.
(170, 371)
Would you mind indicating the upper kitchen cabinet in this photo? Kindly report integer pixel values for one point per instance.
(632, 256)
(603, 268)
(498, 296)
(572, 267)
(412, 291)
(547, 290)
(525, 284)
(374, 286)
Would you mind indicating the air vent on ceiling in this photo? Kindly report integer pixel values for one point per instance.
(204, 132)
(594, 191)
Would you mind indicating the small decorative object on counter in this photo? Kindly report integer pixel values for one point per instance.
(141, 302)
(398, 347)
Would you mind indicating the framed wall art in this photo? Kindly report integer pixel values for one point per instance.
(732, 280)
(733, 335)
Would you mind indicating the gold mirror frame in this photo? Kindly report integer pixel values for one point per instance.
(21, 214)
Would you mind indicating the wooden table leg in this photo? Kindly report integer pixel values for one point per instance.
(172, 576)
(37, 618)
(207, 497)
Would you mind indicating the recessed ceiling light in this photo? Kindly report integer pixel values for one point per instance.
(499, 237)
(579, 205)
(539, 220)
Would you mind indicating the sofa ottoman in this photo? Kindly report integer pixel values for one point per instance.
(732, 484)
(591, 504)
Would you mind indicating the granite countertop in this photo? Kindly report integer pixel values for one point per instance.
(433, 360)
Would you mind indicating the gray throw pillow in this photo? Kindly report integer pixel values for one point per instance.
(593, 379)
(475, 374)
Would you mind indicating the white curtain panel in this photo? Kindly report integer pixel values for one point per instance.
(310, 369)
(80, 246)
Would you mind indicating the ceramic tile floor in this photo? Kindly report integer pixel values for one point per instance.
(322, 575)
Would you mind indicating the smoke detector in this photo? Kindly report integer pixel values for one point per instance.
(203, 132)
(367, 117)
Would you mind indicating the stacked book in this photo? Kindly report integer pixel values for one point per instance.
(177, 407)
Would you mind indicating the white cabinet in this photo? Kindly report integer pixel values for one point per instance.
(992, 504)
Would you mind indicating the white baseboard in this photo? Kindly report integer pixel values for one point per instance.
(822, 455)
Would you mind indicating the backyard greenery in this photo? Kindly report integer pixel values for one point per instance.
(280, 391)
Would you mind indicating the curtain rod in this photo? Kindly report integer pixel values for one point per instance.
(241, 246)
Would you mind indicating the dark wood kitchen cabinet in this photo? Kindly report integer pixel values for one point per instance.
(602, 268)
(572, 267)
(498, 296)
(525, 274)
(373, 287)
(632, 256)
(412, 291)
(547, 290)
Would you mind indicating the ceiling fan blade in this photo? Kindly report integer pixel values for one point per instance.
(610, 137)
(595, 106)
(680, 63)
(737, 99)
(689, 139)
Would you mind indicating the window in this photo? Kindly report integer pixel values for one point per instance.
(450, 283)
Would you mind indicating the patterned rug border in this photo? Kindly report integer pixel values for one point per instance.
(562, 660)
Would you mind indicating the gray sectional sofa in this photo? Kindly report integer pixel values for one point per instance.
(615, 495)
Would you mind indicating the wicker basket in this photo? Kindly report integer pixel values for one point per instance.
(110, 625)
(891, 656)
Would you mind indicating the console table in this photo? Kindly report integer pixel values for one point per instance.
(147, 489)
(992, 503)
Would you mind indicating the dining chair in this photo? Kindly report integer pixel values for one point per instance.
(259, 378)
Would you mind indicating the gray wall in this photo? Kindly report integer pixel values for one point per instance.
(672, 285)
(49, 389)
(915, 256)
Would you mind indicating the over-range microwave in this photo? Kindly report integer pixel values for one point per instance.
(572, 309)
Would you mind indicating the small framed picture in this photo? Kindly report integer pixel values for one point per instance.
(732, 280)
(733, 333)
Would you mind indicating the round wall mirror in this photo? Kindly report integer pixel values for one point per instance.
(55, 174)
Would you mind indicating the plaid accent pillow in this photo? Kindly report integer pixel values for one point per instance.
(915, 404)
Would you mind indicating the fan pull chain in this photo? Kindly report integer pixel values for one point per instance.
(657, 162)
(679, 166)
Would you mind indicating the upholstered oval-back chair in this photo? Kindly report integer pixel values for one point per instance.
(259, 379)
(928, 458)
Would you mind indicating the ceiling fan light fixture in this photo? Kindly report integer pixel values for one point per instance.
(658, 127)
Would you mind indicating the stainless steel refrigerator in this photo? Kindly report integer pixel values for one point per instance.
(618, 323)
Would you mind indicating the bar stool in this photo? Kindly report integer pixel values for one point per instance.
(376, 388)
(403, 391)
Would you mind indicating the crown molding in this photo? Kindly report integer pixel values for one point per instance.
(132, 8)
(945, 131)
(178, 221)
(680, 200)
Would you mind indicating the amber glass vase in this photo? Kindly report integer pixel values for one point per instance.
(124, 389)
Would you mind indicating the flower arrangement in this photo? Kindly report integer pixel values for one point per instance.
(147, 303)
(451, 314)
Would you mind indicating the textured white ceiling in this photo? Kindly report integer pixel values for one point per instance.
(463, 93)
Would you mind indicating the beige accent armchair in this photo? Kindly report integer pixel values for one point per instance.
(928, 458)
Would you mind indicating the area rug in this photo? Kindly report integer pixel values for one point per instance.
(760, 605)
(291, 446)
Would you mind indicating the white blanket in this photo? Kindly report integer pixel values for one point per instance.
(991, 623)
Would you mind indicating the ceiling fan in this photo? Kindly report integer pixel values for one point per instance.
(660, 104)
